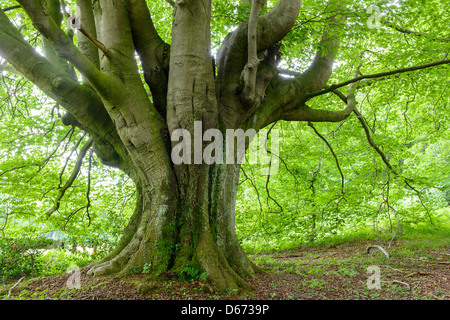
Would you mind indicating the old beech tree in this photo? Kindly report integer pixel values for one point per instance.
(184, 214)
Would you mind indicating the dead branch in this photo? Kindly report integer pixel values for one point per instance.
(332, 152)
(72, 177)
(17, 283)
(76, 24)
(403, 283)
(376, 75)
(372, 246)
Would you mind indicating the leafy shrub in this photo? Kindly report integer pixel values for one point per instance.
(18, 257)
(57, 261)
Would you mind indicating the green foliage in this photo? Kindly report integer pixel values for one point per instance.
(20, 257)
(58, 261)
(191, 273)
(374, 201)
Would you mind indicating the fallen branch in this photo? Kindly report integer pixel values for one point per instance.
(76, 24)
(403, 283)
(394, 269)
(439, 262)
(17, 283)
(371, 246)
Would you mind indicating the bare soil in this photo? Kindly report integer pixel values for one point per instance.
(338, 272)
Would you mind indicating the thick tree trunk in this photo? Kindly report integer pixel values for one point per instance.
(173, 230)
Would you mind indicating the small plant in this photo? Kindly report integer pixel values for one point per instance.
(134, 270)
(191, 273)
(147, 268)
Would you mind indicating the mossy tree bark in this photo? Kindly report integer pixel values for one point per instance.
(184, 213)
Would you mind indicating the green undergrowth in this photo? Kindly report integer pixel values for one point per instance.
(423, 233)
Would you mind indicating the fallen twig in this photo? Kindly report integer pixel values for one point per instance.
(439, 262)
(394, 269)
(420, 273)
(400, 282)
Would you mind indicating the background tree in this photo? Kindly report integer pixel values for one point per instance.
(101, 74)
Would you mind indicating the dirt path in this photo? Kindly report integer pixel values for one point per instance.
(413, 271)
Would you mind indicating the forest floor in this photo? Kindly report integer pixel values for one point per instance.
(415, 270)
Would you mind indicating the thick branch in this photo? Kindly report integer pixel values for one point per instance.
(53, 10)
(277, 23)
(318, 73)
(65, 47)
(305, 113)
(85, 39)
(251, 68)
(283, 95)
(79, 100)
(8, 68)
(171, 2)
(271, 29)
(153, 52)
